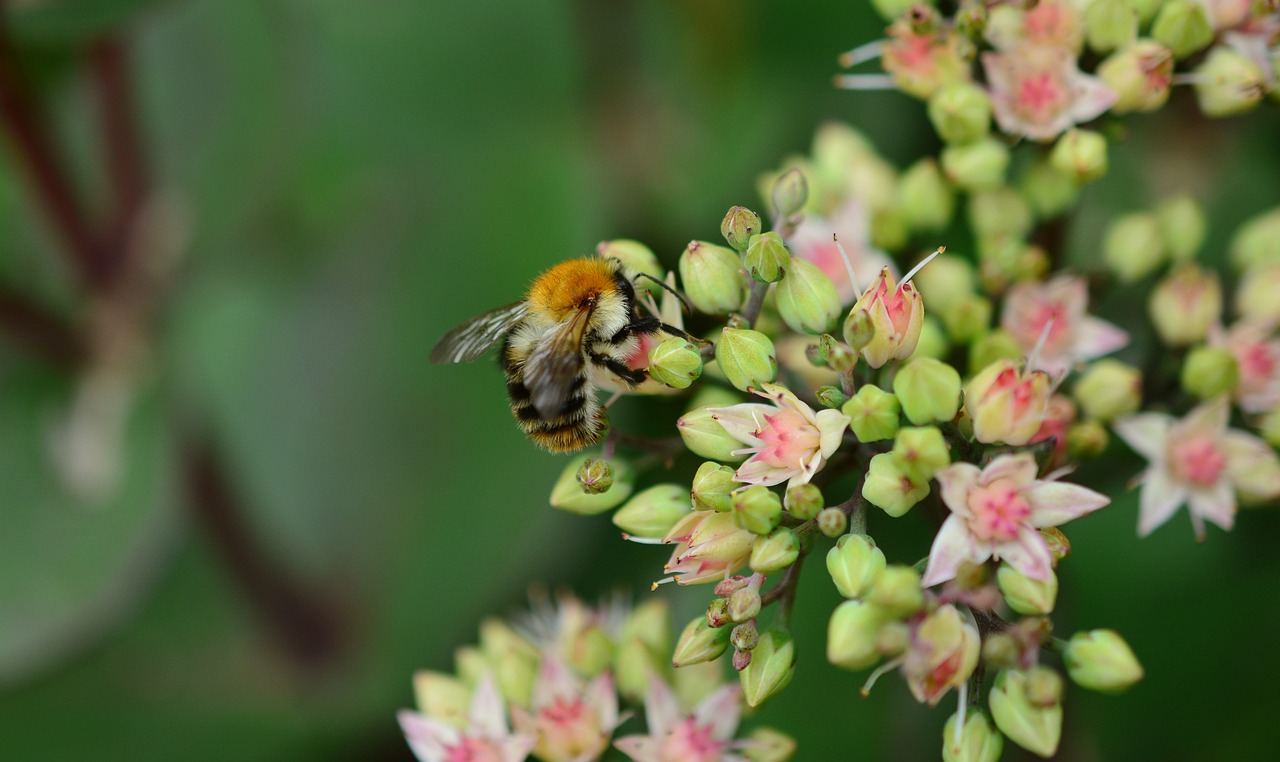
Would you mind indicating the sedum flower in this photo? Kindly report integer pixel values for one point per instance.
(996, 512)
(943, 653)
(1007, 403)
(709, 547)
(703, 735)
(921, 62)
(486, 736)
(1074, 335)
(572, 721)
(849, 223)
(1038, 91)
(787, 440)
(1185, 305)
(1198, 461)
(1257, 355)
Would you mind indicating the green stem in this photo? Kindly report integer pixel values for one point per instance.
(755, 300)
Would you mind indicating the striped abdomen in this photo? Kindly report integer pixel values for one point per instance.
(577, 424)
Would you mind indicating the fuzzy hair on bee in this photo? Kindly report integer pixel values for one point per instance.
(572, 334)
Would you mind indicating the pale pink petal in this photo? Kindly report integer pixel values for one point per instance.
(1160, 497)
(807, 471)
(1208, 418)
(1021, 469)
(603, 699)
(721, 711)
(783, 398)
(831, 425)
(488, 712)
(1056, 503)
(1092, 98)
(743, 420)
(953, 545)
(1146, 433)
(639, 748)
(756, 471)
(956, 480)
(1252, 465)
(1216, 504)
(427, 737)
(1096, 337)
(1029, 554)
(661, 711)
(516, 748)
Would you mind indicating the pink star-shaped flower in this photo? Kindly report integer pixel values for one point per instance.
(703, 735)
(486, 737)
(1038, 92)
(1073, 336)
(787, 440)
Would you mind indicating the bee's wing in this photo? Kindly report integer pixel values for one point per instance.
(469, 340)
(555, 363)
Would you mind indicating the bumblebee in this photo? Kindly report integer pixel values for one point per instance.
(572, 334)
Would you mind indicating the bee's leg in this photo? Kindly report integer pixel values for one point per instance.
(633, 376)
(647, 325)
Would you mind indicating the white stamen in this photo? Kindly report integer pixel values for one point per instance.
(963, 690)
(920, 265)
(866, 52)
(848, 264)
(643, 540)
(664, 581)
(1033, 359)
(876, 675)
(865, 82)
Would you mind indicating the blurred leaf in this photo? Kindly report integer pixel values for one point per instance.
(68, 21)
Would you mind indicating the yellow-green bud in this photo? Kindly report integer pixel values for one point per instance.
(854, 563)
(632, 667)
(977, 741)
(969, 318)
(1184, 304)
(513, 659)
(739, 225)
(1270, 427)
(1035, 728)
(999, 212)
(928, 390)
(1140, 75)
(831, 396)
(650, 623)
(803, 501)
(757, 509)
(704, 436)
(745, 636)
(1110, 24)
(840, 356)
(889, 485)
(675, 363)
(926, 199)
(700, 642)
(1210, 371)
(595, 476)
(1087, 439)
(807, 299)
(712, 278)
(1001, 650)
(471, 664)
(859, 329)
(1228, 83)
(832, 522)
(773, 664)
(767, 258)
(888, 228)
(1109, 389)
(897, 591)
(1024, 594)
(993, 347)
(873, 414)
(744, 604)
(653, 512)
(960, 113)
(569, 495)
(1182, 226)
(1044, 687)
(852, 634)
(768, 745)
(1049, 191)
(442, 697)
(923, 451)
(711, 487)
(790, 192)
(1081, 155)
(1147, 9)
(1133, 246)
(635, 257)
(746, 358)
(1183, 27)
(948, 280)
(1257, 241)
(892, 9)
(1100, 660)
(774, 552)
(977, 165)
(932, 341)
(589, 651)
(717, 614)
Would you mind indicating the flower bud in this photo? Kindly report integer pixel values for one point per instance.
(1025, 595)
(1182, 226)
(774, 552)
(897, 591)
(767, 258)
(889, 485)
(1044, 687)
(1210, 371)
(635, 257)
(892, 9)
(632, 667)
(757, 509)
(933, 340)
(1255, 296)
(1185, 304)
(1035, 728)
(851, 634)
(653, 512)
(442, 697)
(960, 113)
(923, 451)
(925, 197)
(803, 501)
(873, 414)
(832, 522)
(969, 319)
(568, 493)
(831, 396)
(746, 358)
(741, 660)
(977, 741)
(739, 225)
(744, 604)
(977, 165)
(1100, 660)
(1228, 83)
(999, 212)
(888, 228)
(928, 390)
(1007, 403)
(1133, 246)
(1140, 75)
(859, 329)
(1087, 439)
(1183, 27)
(700, 642)
(675, 363)
(595, 476)
(1110, 24)
(768, 745)
(650, 623)
(897, 312)
(717, 614)
(773, 663)
(589, 651)
(704, 436)
(711, 487)
(1048, 191)
(1257, 241)
(470, 664)
(1080, 154)
(943, 654)
(807, 299)
(946, 282)
(744, 637)
(840, 357)
(996, 345)
(1109, 389)
(712, 279)
(790, 192)
(854, 563)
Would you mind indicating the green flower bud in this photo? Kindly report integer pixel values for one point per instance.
(897, 591)
(977, 741)
(773, 664)
(831, 396)
(1100, 660)
(960, 113)
(1035, 728)
(977, 165)
(711, 487)
(859, 329)
(1110, 24)
(568, 493)
(1140, 74)
(852, 635)
(995, 346)
(650, 623)
(675, 363)
(854, 563)
(1080, 154)
(589, 652)
(888, 228)
(968, 319)
(738, 227)
(513, 660)
(470, 664)
(807, 299)
(1133, 246)
(1210, 371)
(653, 512)
(892, 9)
(1043, 687)
(1087, 439)
(1183, 27)
(932, 342)
(774, 552)
(928, 390)
(923, 451)
(1270, 427)
(767, 258)
(717, 614)
(832, 522)
(704, 436)
(1024, 594)
(889, 485)
(700, 642)
(712, 278)
(803, 501)
(744, 604)
(442, 697)
(1146, 9)
(768, 745)
(1182, 226)
(595, 476)
(948, 280)
(1109, 389)
(746, 358)
(790, 192)
(926, 198)
(635, 257)
(1049, 191)
(1228, 83)
(1257, 241)
(757, 509)
(999, 212)
(631, 669)
(745, 637)
(1184, 304)
(840, 357)
(1000, 650)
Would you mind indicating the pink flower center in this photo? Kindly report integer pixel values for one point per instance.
(789, 440)
(908, 52)
(1037, 317)
(472, 750)
(1040, 95)
(691, 742)
(564, 712)
(1257, 363)
(1199, 461)
(999, 511)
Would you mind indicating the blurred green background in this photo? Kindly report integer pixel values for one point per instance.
(306, 510)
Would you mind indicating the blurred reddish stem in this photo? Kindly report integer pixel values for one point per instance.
(41, 332)
(126, 163)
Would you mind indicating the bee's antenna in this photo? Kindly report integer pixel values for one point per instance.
(668, 289)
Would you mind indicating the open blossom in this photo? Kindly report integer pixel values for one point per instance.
(942, 655)
(1038, 91)
(703, 735)
(787, 440)
(1257, 354)
(709, 547)
(814, 241)
(996, 512)
(572, 722)
(1007, 403)
(897, 312)
(1198, 461)
(485, 738)
(921, 62)
(1074, 335)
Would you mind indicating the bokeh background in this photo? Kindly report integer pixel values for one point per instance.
(239, 535)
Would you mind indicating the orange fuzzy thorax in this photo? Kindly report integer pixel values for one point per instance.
(567, 287)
